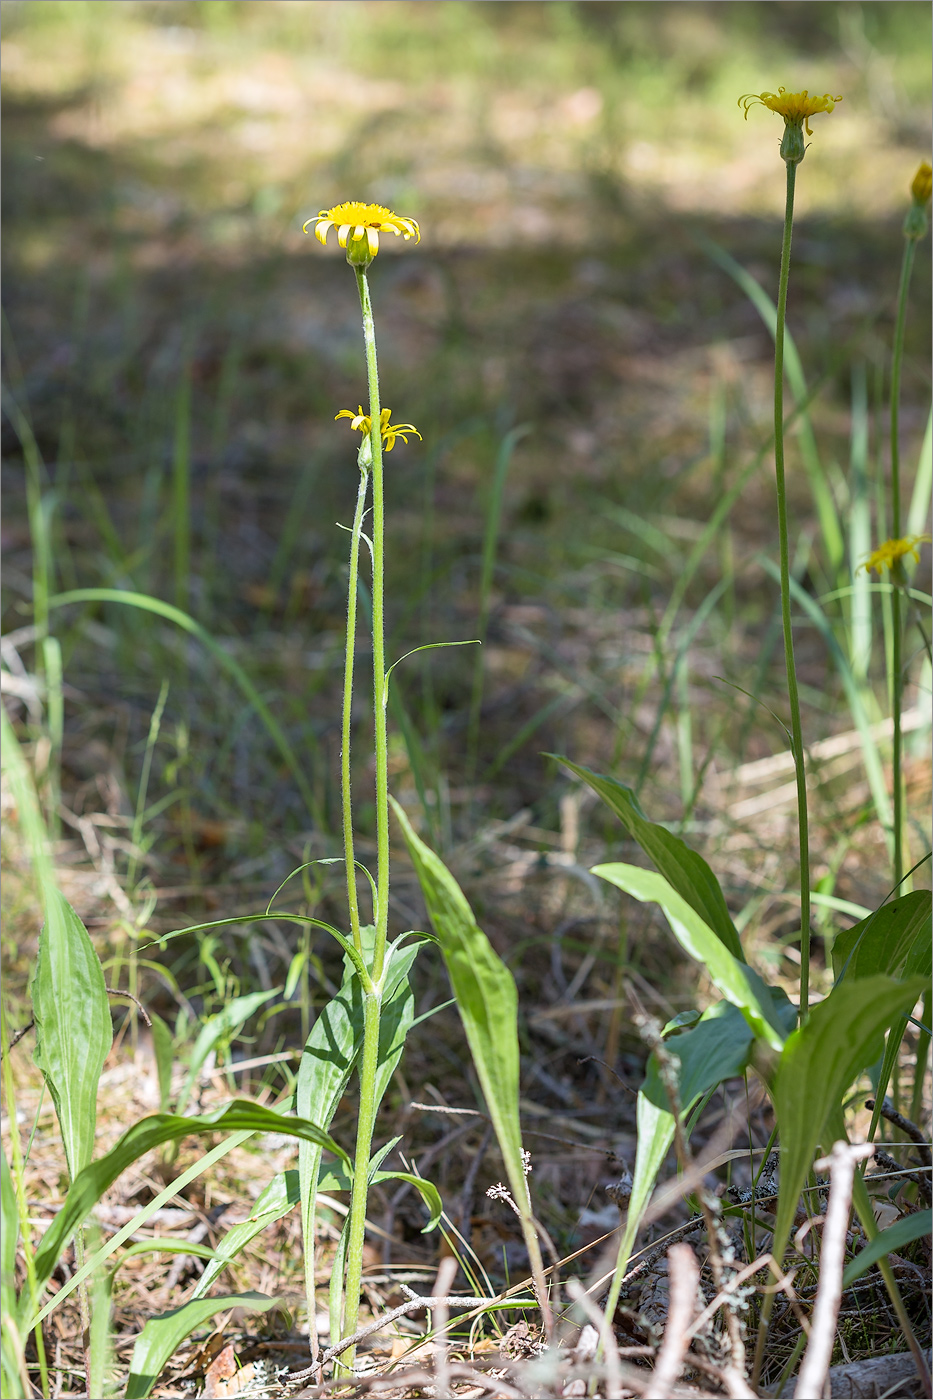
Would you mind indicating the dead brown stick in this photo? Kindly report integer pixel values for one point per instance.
(841, 1164)
(684, 1274)
(888, 1111)
(603, 1325)
(446, 1270)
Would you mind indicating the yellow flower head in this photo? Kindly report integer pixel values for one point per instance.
(795, 107)
(359, 226)
(390, 431)
(922, 187)
(887, 555)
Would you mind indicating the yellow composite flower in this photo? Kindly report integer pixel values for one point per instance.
(355, 221)
(390, 431)
(922, 187)
(887, 555)
(795, 107)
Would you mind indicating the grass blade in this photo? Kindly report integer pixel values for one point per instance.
(163, 1335)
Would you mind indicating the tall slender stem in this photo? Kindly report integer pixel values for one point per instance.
(372, 1003)
(379, 666)
(348, 704)
(897, 686)
(792, 694)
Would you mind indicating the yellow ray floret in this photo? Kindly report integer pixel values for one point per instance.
(893, 551)
(795, 107)
(355, 221)
(390, 431)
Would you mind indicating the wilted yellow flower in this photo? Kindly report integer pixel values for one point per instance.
(922, 187)
(795, 107)
(893, 551)
(390, 431)
(360, 225)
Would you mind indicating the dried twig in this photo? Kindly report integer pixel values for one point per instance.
(446, 1272)
(915, 1134)
(603, 1324)
(684, 1274)
(841, 1163)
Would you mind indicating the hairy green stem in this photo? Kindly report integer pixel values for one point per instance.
(792, 694)
(897, 679)
(372, 1004)
(379, 664)
(364, 1138)
(345, 791)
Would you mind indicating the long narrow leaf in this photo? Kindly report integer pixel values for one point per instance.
(883, 941)
(93, 1181)
(163, 1335)
(685, 870)
(145, 603)
(736, 981)
(892, 1240)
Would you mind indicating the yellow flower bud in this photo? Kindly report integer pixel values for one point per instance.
(922, 187)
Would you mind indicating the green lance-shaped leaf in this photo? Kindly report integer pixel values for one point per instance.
(224, 1026)
(717, 1048)
(9, 1220)
(817, 1065)
(91, 1183)
(890, 1241)
(281, 1195)
(73, 1027)
(163, 1335)
(685, 870)
(736, 981)
(883, 942)
(488, 1004)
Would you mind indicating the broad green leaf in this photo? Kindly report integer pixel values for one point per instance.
(817, 1065)
(280, 1196)
(889, 1241)
(93, 1181)
(73, 1027)
(226, 1025)
(488, 1004)
(717, 1048)
(685, 870)
(882, 942)
(163, 1335)
(736, 981)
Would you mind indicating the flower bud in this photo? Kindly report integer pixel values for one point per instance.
(793, 146)
(922, 187)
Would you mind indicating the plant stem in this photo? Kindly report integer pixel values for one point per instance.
(372, 1000)
(364, 1137)
(379, 666)
(345, 791)
(897, 687)
(793, 697)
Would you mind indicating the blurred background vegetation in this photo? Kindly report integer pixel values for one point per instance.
(180, 349)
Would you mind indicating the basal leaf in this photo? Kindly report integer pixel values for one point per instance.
(736, 981)
(163, 1335)
(73, 1027)
(882, 942)
(817, 1065)
(280, 1196)
(685, 870)
(488, 1004)
(93, 1181)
